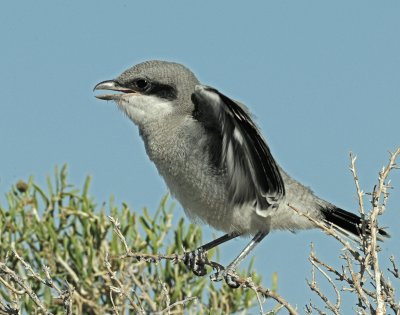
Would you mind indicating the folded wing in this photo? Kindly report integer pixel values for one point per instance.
(237, 147)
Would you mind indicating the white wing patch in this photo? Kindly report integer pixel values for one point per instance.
(238, 136)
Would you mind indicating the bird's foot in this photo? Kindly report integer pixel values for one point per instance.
(228, 274)
(196, 261)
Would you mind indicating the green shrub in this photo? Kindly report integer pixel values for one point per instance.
(62, 245)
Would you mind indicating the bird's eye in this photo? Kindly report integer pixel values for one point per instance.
(141, 84)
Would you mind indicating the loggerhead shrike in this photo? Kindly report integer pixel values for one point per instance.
(215, 161)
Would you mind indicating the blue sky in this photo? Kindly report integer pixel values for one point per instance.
(322, 78)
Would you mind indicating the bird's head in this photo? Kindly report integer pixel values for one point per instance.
(152, 90)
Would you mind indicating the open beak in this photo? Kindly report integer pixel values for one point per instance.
(111, 85)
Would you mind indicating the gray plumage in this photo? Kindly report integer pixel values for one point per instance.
(212, 156)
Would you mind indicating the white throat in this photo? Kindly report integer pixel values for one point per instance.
(142, 109)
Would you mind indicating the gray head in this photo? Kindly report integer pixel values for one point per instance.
(151, 90)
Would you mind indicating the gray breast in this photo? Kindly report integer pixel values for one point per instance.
(180, 154)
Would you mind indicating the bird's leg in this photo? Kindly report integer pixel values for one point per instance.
(195, 260)
(230, 269)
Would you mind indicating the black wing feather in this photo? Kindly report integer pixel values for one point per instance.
(237, 146)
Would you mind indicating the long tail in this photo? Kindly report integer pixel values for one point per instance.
(347, 222)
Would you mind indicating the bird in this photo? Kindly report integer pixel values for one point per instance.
(215, 161)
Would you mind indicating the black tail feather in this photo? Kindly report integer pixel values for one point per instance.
(347, 221)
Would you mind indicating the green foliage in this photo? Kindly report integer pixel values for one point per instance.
(62, 228)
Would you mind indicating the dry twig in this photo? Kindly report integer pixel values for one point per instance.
(365, 253)
(244, 283)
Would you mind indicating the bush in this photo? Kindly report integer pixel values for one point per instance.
(59, 254)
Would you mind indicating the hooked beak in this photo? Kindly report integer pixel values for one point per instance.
(111, 85)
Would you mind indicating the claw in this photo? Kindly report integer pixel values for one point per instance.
(195, 261)
(227, 274)
(231, 279)
(217, 276)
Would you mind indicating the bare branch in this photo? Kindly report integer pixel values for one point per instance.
(395, 271)
(378, 210)
(120, 289)
(360, 193)
(314, 287)
(245, 283)
(183, 302)
(21, 282)
(366, 254)
(328, 230)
